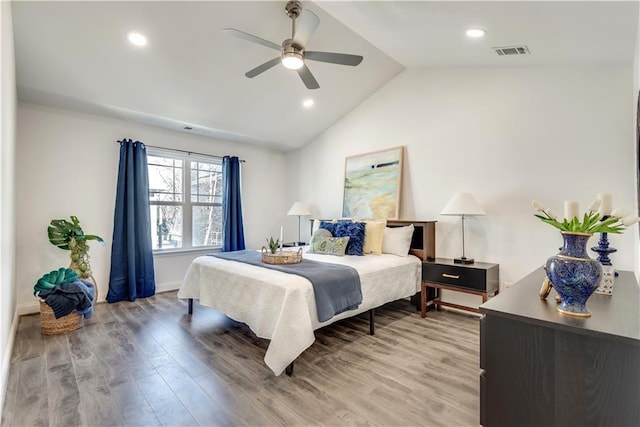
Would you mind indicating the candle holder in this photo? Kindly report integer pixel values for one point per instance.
(603, 248)
(608, 273)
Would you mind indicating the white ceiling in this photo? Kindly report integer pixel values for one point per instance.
(75, 55)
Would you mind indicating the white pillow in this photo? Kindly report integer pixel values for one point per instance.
(397, 240)
(315, 225)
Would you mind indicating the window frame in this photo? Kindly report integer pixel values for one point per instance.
(186, 203)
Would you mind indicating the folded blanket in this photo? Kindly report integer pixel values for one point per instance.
(336, 287)
(53, 278)
(66, 297)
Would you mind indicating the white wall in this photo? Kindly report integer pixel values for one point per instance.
(507, 135)
(8, 318)
(66, 164)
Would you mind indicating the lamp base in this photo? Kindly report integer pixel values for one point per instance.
(463, 260)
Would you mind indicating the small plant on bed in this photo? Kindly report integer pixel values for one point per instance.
(273, 244)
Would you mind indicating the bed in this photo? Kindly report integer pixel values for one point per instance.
(281, 307)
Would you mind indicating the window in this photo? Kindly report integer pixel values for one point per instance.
(185, 193)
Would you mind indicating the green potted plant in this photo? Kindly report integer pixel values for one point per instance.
(69, 236)
(273, 244)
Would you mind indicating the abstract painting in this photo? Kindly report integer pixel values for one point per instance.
(372, 184)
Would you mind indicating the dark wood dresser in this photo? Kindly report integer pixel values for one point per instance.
(542, 368)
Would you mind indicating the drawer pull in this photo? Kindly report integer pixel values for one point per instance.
(450, 276)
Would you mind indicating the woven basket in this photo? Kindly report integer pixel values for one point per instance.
(286, 257)
(49, 325)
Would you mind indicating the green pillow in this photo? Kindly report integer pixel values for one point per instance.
(328, 245)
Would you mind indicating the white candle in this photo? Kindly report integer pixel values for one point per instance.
(606, 204)
(281, 229)
(571, 210)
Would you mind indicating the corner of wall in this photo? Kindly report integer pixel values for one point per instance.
(636, 100)
(8, 111)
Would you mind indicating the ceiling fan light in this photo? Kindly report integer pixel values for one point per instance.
(292, 60)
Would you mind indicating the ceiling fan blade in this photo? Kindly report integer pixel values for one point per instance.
(309, 81)
(250, 37)
(334, 58)
(262, 68)
(306, 25)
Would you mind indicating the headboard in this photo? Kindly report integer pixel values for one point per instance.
(423, 242)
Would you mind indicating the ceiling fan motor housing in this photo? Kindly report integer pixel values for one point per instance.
(293, 9)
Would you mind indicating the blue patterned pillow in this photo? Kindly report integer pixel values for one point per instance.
(328, 245)
(355, 232)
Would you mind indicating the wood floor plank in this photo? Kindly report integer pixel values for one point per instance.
(165, 404)
(148, 363)
(201, 407)
(96, 399)
(31, 340)
(11, 398)
(63, 396)
(32, 389)
(134, 408)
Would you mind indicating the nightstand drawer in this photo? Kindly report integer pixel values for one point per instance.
(463, 277)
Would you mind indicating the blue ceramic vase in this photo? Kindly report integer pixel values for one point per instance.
(573, 274)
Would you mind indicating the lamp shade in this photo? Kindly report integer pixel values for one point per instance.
(300, 209)
(462, 204)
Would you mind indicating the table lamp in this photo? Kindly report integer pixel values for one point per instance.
(299, 209)
(463, 204)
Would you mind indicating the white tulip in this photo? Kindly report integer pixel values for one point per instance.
(628, 222)
(551, 214)
(594, 206)
(619, 213)
(537, 205)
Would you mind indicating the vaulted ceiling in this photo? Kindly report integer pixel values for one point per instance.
(76, 55)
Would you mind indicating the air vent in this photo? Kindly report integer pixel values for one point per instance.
(511, 50)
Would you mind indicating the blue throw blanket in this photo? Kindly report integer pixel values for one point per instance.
(66, 297)
(336, 287)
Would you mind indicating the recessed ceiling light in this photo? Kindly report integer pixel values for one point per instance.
(476, 33)
(307, 103)
(137, 39)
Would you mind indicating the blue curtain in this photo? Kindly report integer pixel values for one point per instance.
(132, 274)
(232, 229)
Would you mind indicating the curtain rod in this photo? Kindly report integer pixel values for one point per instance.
(183, 151)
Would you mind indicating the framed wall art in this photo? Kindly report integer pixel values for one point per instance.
(372, 183)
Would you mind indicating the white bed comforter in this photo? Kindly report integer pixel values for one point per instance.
(281, 307)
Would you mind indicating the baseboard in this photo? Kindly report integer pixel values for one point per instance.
(6, 360)
(166, 287)
(28, 308)
(34, 307)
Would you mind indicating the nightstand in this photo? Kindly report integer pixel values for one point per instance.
(479, 278)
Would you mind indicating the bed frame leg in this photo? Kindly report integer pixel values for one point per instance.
(372, 326)
(289, 369)
(190, 303)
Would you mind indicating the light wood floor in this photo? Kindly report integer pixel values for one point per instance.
(148, 363)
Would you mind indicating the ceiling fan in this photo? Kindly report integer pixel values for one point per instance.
(292, 51)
